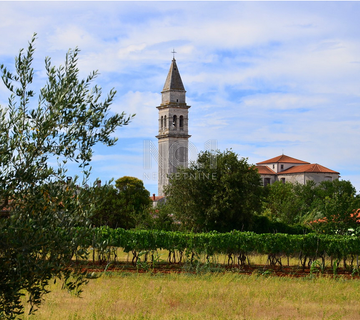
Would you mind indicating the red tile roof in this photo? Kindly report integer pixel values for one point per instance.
(284, 159)
(156, 198)
(264, 170)
(315, 168)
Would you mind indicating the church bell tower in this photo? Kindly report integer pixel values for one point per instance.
(173, 127)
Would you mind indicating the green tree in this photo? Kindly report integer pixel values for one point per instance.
(293, 203)
(280, 204)
(220, 191)
(40, 236)
(335, 187)
(106, 209)
(133, 199)
(289, 202)
(160, 218)
(124, 205)
(338, 214)
(335, 205)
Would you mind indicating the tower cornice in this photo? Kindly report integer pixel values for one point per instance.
(173, 105)
(171, 135)
(173, 90)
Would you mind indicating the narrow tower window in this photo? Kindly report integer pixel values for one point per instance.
(162, 122)
(165, 122)
(181, 123)
(174, 122)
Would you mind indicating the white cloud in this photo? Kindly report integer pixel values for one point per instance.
(143, 104)
(127, 52)
(72, 36)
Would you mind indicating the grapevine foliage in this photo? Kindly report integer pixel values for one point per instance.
(308, 246)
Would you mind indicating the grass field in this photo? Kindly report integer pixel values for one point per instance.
(208, 296)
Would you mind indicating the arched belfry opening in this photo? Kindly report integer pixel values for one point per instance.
(173, 137)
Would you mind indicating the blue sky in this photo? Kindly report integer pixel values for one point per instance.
(262, 78)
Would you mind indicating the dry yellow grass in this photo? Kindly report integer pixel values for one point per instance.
(222, 296)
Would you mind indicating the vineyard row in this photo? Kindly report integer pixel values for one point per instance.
(235, 244)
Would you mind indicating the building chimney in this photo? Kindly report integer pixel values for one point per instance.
(98, 183)
(153, 196)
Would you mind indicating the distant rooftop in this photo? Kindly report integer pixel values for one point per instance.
(315, 168)
(283, 159)
(265, 170)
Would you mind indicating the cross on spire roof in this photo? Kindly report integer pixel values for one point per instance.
(173, 52)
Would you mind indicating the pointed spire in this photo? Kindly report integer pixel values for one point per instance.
(173, 80)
